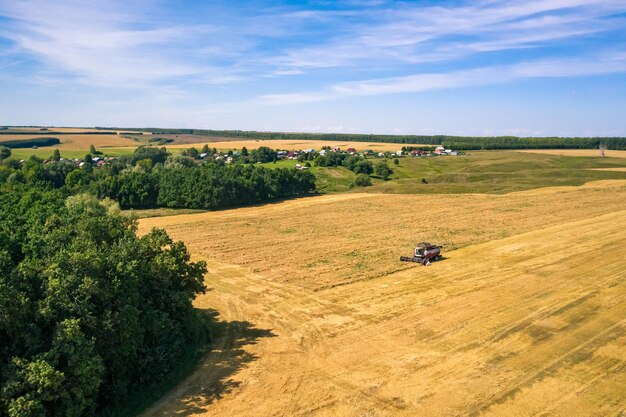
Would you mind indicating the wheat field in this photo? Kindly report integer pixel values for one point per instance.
(577, 152)
(525, 316)
(291, 144)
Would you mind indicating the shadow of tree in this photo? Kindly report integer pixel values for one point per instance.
(213, 377)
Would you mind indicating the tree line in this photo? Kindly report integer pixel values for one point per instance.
(89, 311)
(511, 142)
(449, 141)
(152, 178)
(29, 143)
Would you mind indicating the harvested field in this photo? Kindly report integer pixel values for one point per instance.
(79, 142)
(294, 144)
(577, 152)
(320, 241)
(527, 317)
(39, 131)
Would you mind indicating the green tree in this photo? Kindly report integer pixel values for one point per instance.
(76, 179)
(383, 170)
(396, 161)
(363, 167)
(93, 150)
(56, 155)
(4, 152)
(362, 180)
(205, 148)
(155, 154)
(88, 310)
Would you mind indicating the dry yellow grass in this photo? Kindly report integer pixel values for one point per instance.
(296, 144)
(610, 169)
(64, 130)
(320, 241)
(80, 142)
(577, 152)
(527, 318)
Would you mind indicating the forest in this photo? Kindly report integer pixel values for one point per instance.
(29, 143)
(152, 178)
(89, 312)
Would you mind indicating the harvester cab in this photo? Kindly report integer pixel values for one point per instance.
(424, 253)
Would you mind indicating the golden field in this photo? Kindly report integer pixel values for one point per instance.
(525, 316)
(79, 142)
(577, 152)
(295, 145)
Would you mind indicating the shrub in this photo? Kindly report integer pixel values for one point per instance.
(362, 180)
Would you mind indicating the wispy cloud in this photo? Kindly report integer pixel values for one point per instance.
(105, 43)
(603, 64)
(413, 34)
(160, 59)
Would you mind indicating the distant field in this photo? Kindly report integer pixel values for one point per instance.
(46, 152)
(577, 152)
(79, 142)
(37, 130)
(478, 172)
(525, 316)
(296, 144)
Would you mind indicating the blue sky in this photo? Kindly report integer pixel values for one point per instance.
(550, 67)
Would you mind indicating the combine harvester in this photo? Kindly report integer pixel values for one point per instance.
(424, 253)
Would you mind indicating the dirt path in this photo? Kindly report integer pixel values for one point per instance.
(528, 325)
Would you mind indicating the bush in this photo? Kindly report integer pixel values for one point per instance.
(5, 152)
(383, 170)
(362, 180)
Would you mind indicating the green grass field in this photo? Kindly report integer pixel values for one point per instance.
(65, 153)
(493, 172)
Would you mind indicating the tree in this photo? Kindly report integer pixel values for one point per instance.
(362, 180)
(383, 170)
(244, 151)
(93, 150)
(396, 161)
(205, 148)
(155, 154)
(89, 310)
(56, 155)
(77, 178)
(4, 152)
(363, 167)
(191, 152)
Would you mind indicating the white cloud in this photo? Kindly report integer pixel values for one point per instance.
(603, 64)
(414, 34)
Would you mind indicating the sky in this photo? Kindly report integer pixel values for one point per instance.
(523, 67)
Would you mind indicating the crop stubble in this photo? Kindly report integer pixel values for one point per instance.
(525, 318)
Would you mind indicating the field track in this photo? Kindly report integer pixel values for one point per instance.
(531, 324)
